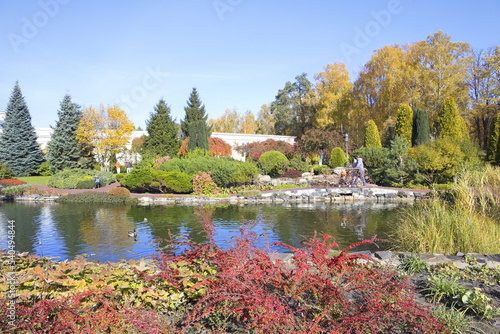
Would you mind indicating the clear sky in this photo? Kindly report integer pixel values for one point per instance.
(237, 53)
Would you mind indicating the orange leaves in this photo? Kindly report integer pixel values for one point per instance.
(105, 130)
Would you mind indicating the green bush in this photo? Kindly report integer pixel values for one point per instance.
(300, 165)
(373, 157)
(174, 182)
(5, 173)
(225, 171)
(138, 179)
(118, 177)
(123, 169)
(337, 158)
(318, 168)
(268, 161)
(79, 179)
(250, 193)
(44, 170)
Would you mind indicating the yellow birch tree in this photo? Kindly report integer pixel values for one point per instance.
(104, 131)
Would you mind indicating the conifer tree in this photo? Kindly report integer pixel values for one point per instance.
(492, 151)
(195, 111)
(19, 149)
(372, 136)
(404, 122)
(449, 121)
(162, 132)
(421, 131)
(63, 149)
(198, 136)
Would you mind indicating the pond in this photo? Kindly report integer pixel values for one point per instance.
(100, 231)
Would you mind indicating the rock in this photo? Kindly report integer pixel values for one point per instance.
(301, 181)
(479, 258)
(434, 258)
(306, 175)
(384, 255)
(460, 254)
(263, 178)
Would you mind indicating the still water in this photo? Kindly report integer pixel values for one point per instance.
(67, 230)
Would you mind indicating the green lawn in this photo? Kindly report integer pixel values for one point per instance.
(35, 179)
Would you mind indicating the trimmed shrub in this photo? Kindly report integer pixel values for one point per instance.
(44, 169)
(138, 179)
(404, 122)
(119, 191)
(174, 182)
(96, 197)
(299, 165)
(118, 177)
(79, 179)
(11, 182)
(337, 158)
(254, 150)
(268, 161)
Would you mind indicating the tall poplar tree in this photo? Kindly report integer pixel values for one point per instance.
(162, 132)
(63, 149)
(421, 130)
(195, 111)
(19, 149)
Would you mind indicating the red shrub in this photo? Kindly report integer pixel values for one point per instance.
(218, 147)
(292, 173)
(248, 292)
(256, 149)
(11, 182)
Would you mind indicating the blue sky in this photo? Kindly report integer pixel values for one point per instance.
(237, 53)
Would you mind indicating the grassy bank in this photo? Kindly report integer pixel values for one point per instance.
(35, 179)
(464, 218)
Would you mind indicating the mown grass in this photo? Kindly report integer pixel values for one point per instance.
(464, 219)
(35, 179)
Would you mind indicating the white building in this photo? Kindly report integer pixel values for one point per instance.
(233, 139)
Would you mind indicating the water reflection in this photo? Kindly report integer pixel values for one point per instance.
(66, 230)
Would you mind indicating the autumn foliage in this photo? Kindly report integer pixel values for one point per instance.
(256, 149)
(218, 147)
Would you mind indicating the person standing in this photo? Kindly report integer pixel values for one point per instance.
(129, 166)
(360, 170)
(97, 182)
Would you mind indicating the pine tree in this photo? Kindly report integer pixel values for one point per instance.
(449, 122)
(63, 150)
(421, 131)
(404, 122)
(372, 136)
(492, 152)
(19, 149)
(162, 132)
(195, 111)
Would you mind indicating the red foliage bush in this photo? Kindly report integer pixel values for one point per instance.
(218, 147)
(249, 292)
(292, 173)
(11, 182)
(256, 149)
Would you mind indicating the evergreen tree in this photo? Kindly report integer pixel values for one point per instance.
(162, 132)
(337, 158)
(19, 149)
(195, 111)
(63, 149)
(372, 136)
(404, 122)
(421, 131)
(492, 152)
(198, 136)
(451, 125)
